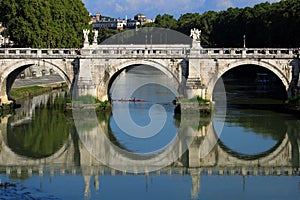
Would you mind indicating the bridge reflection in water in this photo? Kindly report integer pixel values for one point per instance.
(206, 155)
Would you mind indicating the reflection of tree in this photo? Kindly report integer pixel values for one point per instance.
(267, 124)
(44, 134)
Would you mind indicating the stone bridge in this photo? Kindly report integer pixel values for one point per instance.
(93, 69)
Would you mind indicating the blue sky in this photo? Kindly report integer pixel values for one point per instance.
(151, 8)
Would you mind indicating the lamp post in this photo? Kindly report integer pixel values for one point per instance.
(244, 37)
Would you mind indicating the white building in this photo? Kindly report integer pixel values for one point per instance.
(99, 22)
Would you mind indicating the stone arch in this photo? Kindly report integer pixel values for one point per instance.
(263, 64)
(115, 70)
(16, 67)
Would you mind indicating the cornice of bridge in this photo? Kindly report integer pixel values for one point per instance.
(183, 51)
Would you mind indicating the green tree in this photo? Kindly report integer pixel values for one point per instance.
(45, 23)
(166, 21)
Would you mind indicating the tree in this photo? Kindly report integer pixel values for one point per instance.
(166, 21)
(45, 23)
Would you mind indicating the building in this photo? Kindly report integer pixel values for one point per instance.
(132, 23)
(110, 23)
(140, 18)
(99, 22)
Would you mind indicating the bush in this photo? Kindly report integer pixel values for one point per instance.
(87, 99)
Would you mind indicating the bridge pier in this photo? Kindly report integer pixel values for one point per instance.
(195, 85)
(84, 80)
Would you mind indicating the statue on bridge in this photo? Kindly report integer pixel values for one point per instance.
(86, 33)
(196, 34)
(95, 36)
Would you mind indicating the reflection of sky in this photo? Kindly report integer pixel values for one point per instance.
(151, 187)
(241, 141)
(143, 83)
(139, 114)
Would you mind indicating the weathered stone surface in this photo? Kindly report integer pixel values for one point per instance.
(195, 70)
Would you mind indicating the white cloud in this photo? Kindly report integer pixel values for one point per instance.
(119, 8)
(224, 4)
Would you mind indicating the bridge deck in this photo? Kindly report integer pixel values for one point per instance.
(149, 51)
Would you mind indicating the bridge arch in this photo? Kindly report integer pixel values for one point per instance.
(10, 73)
(115, 70)
(239, 63)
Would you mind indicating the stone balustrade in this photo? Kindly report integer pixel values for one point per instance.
(152, 51)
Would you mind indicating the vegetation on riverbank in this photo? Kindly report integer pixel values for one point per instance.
(198, 99)
(30, 91)
(90, 100)
(196, 104)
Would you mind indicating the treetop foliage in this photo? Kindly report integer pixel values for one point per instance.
(45, 23)
(264, 25)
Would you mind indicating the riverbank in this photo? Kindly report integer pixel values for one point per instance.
(29, 87)
(30, 91)
(23, 90)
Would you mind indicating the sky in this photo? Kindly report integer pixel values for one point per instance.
(151, 8)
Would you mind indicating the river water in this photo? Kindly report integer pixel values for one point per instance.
(47, 154)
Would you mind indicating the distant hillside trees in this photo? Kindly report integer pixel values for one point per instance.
(45, 23)
(264, 25)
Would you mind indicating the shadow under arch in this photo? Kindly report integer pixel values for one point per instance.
(269, 66)
(11, 72)
(119, 68)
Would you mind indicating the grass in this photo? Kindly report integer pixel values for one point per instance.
(89, 99)
(29, 91)
(86, 99)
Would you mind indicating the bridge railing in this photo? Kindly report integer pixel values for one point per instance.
(38, 52)
(250, 52)
(117, 51)
(179, 50)
(139, 50)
